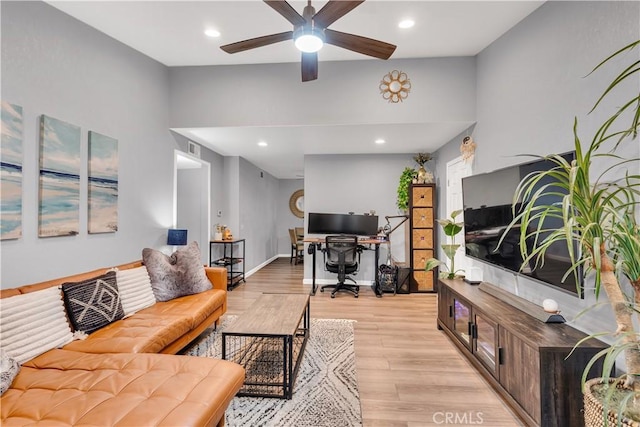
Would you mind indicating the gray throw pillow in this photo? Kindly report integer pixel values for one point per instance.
(94, 303)
(9, 368)
(177, 275)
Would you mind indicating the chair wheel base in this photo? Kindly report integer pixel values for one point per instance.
(338, 287)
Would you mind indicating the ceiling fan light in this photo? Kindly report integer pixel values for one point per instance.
(309, 41)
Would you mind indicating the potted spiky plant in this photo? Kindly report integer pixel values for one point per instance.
(599, 212)
(451, 228)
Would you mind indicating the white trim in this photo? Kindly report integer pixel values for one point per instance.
(258, 267)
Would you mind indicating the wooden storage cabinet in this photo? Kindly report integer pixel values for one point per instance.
(524, 359)
(422, 235)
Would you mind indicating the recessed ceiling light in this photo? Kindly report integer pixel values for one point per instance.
(262, 144)
(212, 33)
(406, 23)
(380, 141)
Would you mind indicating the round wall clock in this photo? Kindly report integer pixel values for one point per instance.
(296, 203)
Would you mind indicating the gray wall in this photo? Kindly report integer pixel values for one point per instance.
(55, 65)
(359, 184)
(531, 83)
(285, 218)
(258, 209)
(443, 89)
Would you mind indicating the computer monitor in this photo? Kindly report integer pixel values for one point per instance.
(328, 223)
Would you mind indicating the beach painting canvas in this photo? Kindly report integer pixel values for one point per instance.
(103, 184)
(59, 210)
(11, 172)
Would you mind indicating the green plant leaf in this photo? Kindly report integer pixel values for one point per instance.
(452, 229)
(406, 178)
(432, 263)
(450, 250)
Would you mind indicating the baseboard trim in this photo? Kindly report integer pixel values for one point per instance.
(260, 266)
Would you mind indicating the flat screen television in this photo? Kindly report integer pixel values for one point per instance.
(487, 200)
(329, 223)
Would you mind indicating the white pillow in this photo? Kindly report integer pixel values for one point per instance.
(33, 323)
(135, 289)
(8, 370)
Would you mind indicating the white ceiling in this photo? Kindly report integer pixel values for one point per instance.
(171, 32)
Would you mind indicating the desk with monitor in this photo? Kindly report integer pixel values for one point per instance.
(363, 226)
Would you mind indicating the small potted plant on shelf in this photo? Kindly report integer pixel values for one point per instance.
(406, 178)
(451, 228)
(599, 212)
(424, 176)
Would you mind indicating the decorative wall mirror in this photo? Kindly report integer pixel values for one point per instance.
(296, 203)
(395, 86)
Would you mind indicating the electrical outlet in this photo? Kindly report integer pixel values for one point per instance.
(219, 213)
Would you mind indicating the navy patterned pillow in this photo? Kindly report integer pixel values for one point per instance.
(93, 303)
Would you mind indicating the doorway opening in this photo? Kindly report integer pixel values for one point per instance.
(456, 170)
(192, 199)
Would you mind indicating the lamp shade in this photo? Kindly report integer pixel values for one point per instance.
(176, 237)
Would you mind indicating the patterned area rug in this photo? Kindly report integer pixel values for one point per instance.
(326, 389)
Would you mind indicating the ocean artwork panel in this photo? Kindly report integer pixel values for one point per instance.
(103, 184)
(59, 209)
(11, 172)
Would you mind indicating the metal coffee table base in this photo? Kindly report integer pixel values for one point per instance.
(271, 361)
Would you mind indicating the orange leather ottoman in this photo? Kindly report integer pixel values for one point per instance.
(62, 387)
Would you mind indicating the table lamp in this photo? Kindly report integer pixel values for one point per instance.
(176, 237)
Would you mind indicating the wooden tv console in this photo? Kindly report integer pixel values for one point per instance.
(522, 357)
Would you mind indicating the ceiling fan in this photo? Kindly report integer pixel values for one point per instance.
(310, 32)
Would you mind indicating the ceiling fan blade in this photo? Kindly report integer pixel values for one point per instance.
(332, 11)
(286, 10)
(257, 42)
(359, 44)
(309, 66)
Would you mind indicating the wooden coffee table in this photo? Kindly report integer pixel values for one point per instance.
(268, 340)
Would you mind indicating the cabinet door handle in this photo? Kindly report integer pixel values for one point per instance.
(450, 311)
(500, 356)
(474, 331)
(470, 329)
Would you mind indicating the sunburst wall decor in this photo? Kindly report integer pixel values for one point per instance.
(395, 86)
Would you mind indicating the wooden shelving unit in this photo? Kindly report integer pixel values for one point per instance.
(422, 236)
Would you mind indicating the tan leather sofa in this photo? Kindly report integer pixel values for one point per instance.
(105, 380)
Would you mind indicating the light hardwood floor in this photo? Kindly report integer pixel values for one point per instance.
(409, 373)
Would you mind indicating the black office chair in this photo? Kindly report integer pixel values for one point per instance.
(342, 256)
